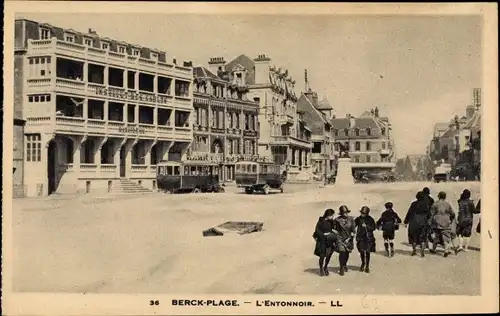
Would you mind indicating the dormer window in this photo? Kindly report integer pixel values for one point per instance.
(368, 132)
(69, 38)
(356, 132)
(105, 46)
(346, 132)
(383, 131)
(135, 52)
(121, 49)
(44, 34)
(89, 42)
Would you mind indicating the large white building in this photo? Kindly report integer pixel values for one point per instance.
(100, 113)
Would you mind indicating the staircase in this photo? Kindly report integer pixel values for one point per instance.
(125, 186)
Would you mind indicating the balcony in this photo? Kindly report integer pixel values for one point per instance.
(384, 152)
(205, 157)
(290, 141)
(70, 86)
(56, 46)
(249, 133)
(285, 119)
(79, 125)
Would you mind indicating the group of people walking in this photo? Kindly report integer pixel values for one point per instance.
(427, 221)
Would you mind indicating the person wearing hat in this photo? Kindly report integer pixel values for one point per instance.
(417, 222)
(365, 239)
(325, 238)
(441, 220)
(389, 222)
(428, 198)
(344, 225)
(466, 211)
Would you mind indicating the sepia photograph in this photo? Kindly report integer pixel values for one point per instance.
(250, 158)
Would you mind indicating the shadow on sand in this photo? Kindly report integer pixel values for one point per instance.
(332, 270)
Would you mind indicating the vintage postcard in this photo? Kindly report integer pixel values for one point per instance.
(249, 158)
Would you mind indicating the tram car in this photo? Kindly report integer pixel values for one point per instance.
(259, 176)
(189, 176)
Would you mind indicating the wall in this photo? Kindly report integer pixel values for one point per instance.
(18, 161)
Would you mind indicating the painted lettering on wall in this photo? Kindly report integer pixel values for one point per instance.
(130, 95)
(131, 130)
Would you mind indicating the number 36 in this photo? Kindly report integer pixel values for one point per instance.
(151, 303)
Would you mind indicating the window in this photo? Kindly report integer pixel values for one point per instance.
(135, 52)
(368, 146)
(356, 132)
(335, 133)
(121, 49)
(89, 42)
(357, 146)
(44, 34)
(169, 170)
(368, 132)
(346, 132)
(356, 159)
(368, 159)
(105, 46)
(39, 98)
(69, 38)
(161, 170)
(383, 145)
(382, 131)
(177, 170)
(33, 147)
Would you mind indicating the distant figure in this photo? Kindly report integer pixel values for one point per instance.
(365, 239)
(345, 226)
(325, 238)
(389, 222)
(466, 211)
(417, 222)
(442, 216)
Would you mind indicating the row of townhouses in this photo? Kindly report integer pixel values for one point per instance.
(458, 142)
(91, 111)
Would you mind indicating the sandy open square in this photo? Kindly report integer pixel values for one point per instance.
(154, 244)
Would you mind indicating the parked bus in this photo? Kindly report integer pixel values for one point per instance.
(259, 176)
(189, 176)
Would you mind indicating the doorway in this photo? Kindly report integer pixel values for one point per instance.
(123, 160)
(51, 167)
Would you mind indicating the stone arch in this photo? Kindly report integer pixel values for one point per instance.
(217, 146)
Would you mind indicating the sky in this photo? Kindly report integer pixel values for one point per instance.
(418, 70)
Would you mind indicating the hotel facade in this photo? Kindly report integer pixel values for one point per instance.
(99, 112)
(226, 126)
(369, 139)
(284, 136)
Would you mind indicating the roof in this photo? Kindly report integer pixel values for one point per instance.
(312, 117)
(202, 72)
(324, 104)
(245, 62)
(360, 122)
(474, 122)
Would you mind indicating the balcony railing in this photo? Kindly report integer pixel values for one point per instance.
(55, 45)
(80, 124)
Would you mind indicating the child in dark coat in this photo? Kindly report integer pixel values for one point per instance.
(389, 222)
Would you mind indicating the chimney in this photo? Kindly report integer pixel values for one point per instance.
(216, 65)
(469, 111)
(352, 121)
(262, 63)
(174, 61)
(376, 111)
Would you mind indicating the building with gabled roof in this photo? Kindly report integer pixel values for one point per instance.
(369, 139)
(322, 155)
(283, 135)
(225, 122)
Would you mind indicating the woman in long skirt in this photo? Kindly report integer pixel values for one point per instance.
(466, 211)
(325, 240)
(344, 225)
(417, 222)
(365, 239)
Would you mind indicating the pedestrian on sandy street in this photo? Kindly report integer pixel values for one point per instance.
(466, 211)
(389, 222)
(344, 225)
(365, 239)
(478, 211)
(417, 222)
(442, 217)
(325, 238)
(430, 201)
